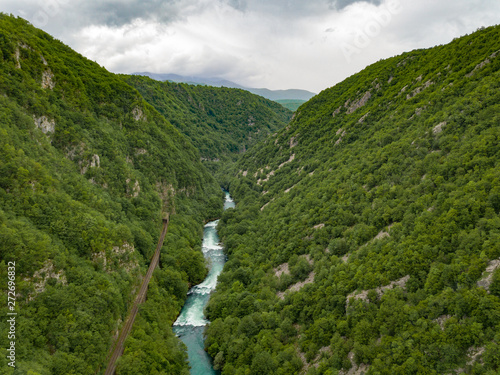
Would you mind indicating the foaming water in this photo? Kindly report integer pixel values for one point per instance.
(190, 324)
(228, 203)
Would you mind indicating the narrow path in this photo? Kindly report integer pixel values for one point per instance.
(140, 298)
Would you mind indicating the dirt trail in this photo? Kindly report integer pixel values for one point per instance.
(140, 298)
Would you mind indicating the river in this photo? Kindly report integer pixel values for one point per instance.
(191, 322)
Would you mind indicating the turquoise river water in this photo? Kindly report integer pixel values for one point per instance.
(191, 322)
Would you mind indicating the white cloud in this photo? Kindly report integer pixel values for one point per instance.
(278, 44)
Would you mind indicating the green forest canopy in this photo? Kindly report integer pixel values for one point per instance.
(87, 171)
(220, 122)
(367, 232)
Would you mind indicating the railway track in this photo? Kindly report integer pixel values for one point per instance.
(140, 298)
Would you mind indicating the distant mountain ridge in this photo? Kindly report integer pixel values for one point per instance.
(290, 94)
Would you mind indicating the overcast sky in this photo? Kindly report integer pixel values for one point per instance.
(278, 44)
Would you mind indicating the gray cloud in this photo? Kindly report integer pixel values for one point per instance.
(341, 4)
(113, 13)
(67, 15)
(295, 6)
(265, 43)
(240, 5)
(278, 8)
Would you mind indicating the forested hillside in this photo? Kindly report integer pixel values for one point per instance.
(87, 171)
(292, 105)
(221, 122)
(367, 232)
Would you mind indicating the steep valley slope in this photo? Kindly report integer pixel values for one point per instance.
(221, 122)
(88, 169)
(366, 236)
